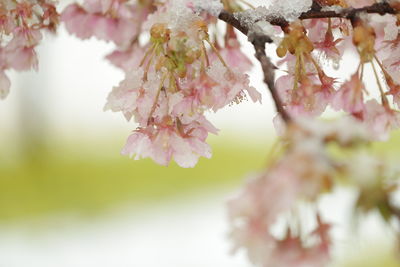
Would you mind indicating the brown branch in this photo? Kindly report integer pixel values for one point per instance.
(230, 19)
(381, 8)
(269, 77)
(316, 12)
(259, 41)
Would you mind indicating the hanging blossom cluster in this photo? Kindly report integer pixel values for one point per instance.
(298, 176)
(301, 174)
(173, 79)
(21, 25)
(179, 65)
(306, 89)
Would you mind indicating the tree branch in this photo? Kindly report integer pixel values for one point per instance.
(316, 12)
(269, 77)
(259, 41)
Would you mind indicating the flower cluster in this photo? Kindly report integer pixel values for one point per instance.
(307, 90)
(173, 79)
(21, 26)
(117, 21)
(299, 175)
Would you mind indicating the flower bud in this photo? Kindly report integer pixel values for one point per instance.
(364, 39)
(160, 32)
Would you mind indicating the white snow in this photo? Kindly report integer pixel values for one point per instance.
(288, 9)
(213, 7)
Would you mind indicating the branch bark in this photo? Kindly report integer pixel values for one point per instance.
(269, 77)
(316, 12)
(259, 41)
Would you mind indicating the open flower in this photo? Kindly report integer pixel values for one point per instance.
(173, 85)
(21, 25)
(107, 20)
(230, 86)
(165, 143)
(255, 211)
(380, 119)
(350, 96)
(233, 56)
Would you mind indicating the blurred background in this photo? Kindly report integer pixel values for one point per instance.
(69, 199)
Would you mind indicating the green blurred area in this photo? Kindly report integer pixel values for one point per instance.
(86, 178)
(377, 253)
(89, 176)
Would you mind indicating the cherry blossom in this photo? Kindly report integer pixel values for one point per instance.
(321, 33)
(175, 82)
(234, 56)
(380, 119)
(165, 143)
(21, 26)
(301, 174)
(350, 96)
(107, 20)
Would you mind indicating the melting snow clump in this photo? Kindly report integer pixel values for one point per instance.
(288, 9)
(214, 7)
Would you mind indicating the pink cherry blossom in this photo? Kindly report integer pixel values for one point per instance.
(256, 209)
(394, 90)
(230, 85)
(310, 98)
(138, 145)
(129, 59)
(79, 22)
(389, 54)
(350, 96)
(187, 108)
(4, 85)
(301, 174)
(168, 97)
(164, 143)
(321, 34)
(380, 119)
(107, 20)
(23, 58)
(292, 252)
(124, 97)
(21, 25)
(233, 56)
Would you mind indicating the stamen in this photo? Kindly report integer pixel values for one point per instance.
(204, 50)
(153, 108)
(385, 101)
(217, 53)
(147, 53)
(149, 63)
